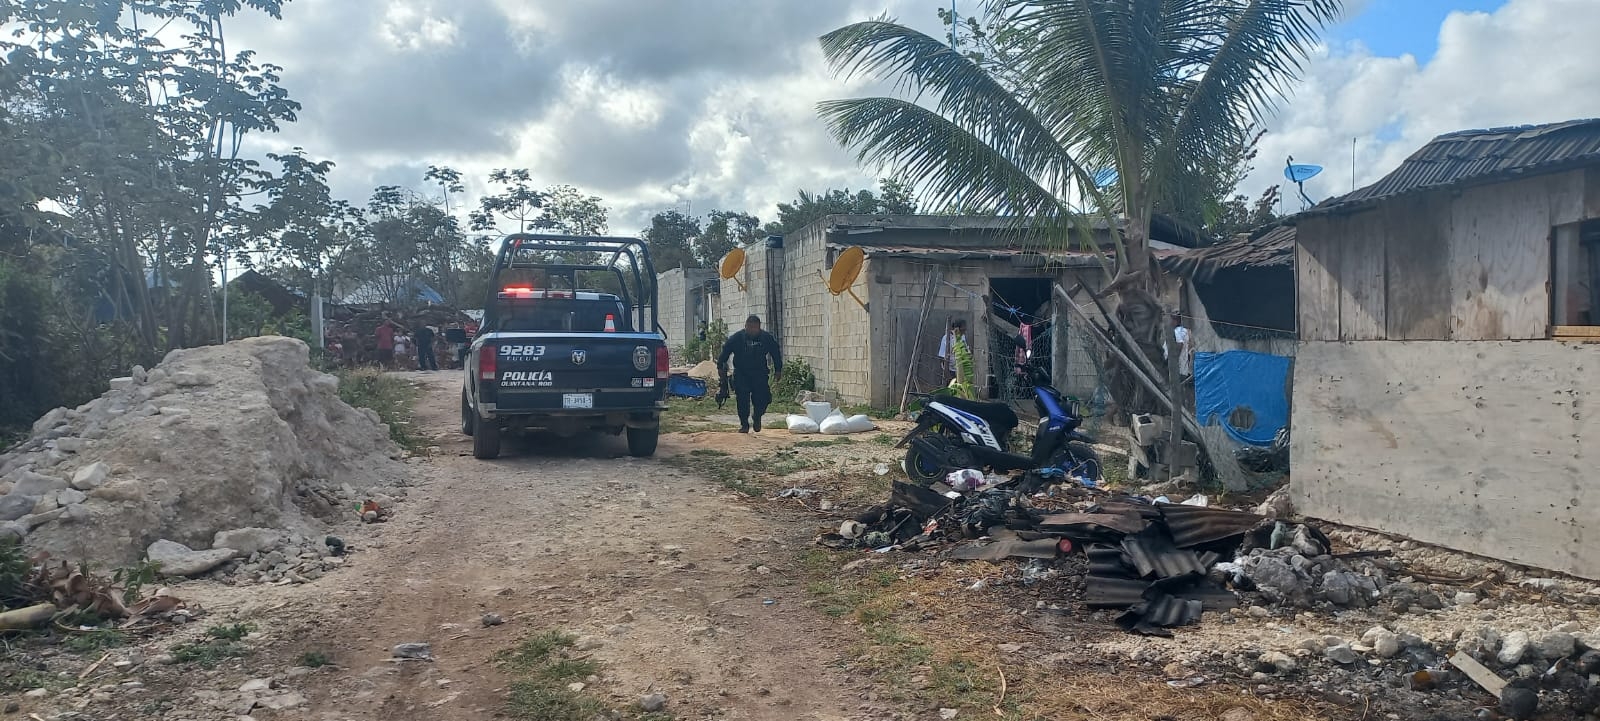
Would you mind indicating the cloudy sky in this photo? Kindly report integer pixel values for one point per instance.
(703, 104)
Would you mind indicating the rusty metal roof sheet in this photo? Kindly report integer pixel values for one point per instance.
(1477, 156)
(1192, 526)
(1269, 247)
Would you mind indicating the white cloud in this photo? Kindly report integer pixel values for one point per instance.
(1531, 61)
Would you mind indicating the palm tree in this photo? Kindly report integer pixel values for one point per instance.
(1163, 92)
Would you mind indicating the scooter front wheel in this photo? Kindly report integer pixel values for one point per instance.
(922, 468)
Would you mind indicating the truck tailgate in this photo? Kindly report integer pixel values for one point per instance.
(576, 371)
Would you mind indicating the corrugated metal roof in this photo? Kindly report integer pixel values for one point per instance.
(1035, 256)
(1113, 591)
(1152, 554)
(1192, 526)
(1268, 247)
(1475, 156)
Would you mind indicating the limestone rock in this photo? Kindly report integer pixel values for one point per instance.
(248, 541)
(91, 476)
(177, 559)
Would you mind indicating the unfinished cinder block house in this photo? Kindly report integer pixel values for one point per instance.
(921, 273)
(1445, 383)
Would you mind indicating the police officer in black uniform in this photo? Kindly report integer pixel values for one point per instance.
(750, 349)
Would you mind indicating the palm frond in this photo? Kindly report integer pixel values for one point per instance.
(922, 66)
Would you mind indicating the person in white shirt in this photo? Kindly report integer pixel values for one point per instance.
(1181, 335)
(957, 333)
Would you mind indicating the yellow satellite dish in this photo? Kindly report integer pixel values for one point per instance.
(846, 268)
(730, 266)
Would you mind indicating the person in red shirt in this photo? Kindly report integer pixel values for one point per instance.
(385, 335)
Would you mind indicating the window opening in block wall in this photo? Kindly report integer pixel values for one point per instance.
(1019, 338)
(1575, 277)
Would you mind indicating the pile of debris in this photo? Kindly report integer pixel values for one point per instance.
(1164, 563)
(213, 440)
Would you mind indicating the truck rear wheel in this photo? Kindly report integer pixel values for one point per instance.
(486, 440)
(642, 441)
(468, 416)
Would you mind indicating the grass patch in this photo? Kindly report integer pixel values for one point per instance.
(544, 666)
(315, 659)
(835, 441)
(391, 397)
(744, 475)
(885, 439)
(231, 631)
(208, 654)
(97, 640)
(27, 679)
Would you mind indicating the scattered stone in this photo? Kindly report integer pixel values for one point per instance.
(1344, 588)
(177, 559)
(1465, 598)
(1555, 645)
(1259, 612)
(68, 444)
(1383, 642)
(248, 541)
(653, 702)
(1010, 648)
(577, 686)
(1542, 584)
(1277, 505)
(1513, 647)
(1314, 645)
(1280, 662)
(36, 484)
(13, 507)
(491, 619)
(91, 476)
(414, 651)
(1341, 654)
(1519, 703)
(70, 496)
(1237, 713)
(1589, 663)
(37, 693)
(283, 701)
(257, 685)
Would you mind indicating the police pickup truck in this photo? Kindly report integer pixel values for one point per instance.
(555, 358)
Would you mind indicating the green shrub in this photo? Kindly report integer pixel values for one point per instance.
(695, 350)
(797, 376)
(391, 397)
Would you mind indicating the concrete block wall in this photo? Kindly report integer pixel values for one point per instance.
(807, 303)
(755, 297)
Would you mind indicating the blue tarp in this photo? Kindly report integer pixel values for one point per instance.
(1244, 388)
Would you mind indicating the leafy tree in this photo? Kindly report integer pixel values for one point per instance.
(1241, 215)
(671, 238)
(896, 198)
(570, 212)
(724, 231)
(448, 179)
(517, 201)
(1163, 92)
(302, 228)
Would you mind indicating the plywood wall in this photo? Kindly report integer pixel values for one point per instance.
(1474, 445)
(1454, 264)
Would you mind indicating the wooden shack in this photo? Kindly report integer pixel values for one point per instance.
(1445, 386)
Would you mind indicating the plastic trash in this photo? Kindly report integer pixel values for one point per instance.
(801, 425)
(860, 424)
(1197, 500)
(966, 479)
(835, 425)
(852, 529)
(882, 469)
(818, 410)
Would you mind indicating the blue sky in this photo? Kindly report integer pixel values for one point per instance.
(1397, 27)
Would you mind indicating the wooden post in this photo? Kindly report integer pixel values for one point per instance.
(922, 319)
(1174, 386)
(1189, 423)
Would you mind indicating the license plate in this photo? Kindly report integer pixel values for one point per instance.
(577, 400)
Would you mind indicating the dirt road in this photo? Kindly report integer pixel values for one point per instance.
(679, 587)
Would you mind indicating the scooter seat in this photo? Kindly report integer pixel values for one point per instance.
(999, 416)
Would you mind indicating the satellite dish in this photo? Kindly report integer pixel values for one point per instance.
(846, 268)
(730, 266)
(1105, 177)
(1300, 173)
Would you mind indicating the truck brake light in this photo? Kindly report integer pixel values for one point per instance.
(487, 357)
(663, 363)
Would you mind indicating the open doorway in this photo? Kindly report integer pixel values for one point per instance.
(1020, 341)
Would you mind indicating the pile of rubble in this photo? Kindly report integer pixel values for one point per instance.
(1164, 563)
(197, 462)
